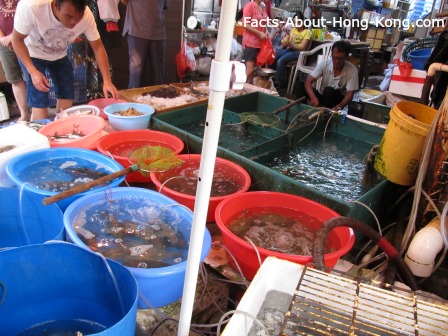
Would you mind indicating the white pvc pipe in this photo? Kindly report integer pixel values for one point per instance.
(424, 248)
(219, 84)
(367, 122)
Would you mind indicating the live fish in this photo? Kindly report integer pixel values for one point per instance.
(84, 172)
(75, 134)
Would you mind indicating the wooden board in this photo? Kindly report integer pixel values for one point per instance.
(201, 97)
(131, 95)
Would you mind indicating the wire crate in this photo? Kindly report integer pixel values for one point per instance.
(342, 304)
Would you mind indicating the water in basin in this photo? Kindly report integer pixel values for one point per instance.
(333, 165)
(237, 137)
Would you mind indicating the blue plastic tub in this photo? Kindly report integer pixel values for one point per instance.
(124, 123)
(24, 220)
(157, 286)
(29, 168)
(60, 288)
(419, 57)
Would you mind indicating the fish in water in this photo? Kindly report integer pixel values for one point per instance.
(147, 263)
(84, 172)
(55, 186)
(75, 134)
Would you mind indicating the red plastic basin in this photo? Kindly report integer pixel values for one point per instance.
(341, 238)
(144, 137)
(90, 125)
(101, 103)
(231, 172)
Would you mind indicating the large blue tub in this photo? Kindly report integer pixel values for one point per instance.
(61, 289)
(24, 220)
(135, 207)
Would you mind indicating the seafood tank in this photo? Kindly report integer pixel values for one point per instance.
(309, 154)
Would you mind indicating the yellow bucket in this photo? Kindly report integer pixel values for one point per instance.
(401, 148)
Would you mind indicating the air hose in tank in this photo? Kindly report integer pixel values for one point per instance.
(391, 252)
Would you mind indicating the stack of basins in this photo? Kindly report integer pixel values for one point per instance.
(57, 287)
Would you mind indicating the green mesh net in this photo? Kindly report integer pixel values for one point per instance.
(154, 159)
(260, 118)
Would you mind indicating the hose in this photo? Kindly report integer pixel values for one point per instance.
(391, 252)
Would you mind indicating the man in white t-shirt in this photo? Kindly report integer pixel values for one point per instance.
(43, 29)
(339, 80)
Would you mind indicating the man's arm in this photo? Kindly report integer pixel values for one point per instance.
(309, 90)
(103, 65)
(39, 80)
(352, 86)
(347, 99)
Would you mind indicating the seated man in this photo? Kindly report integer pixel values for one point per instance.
(339, 80)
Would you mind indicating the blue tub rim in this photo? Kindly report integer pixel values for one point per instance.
(9, 167)
(420, 53)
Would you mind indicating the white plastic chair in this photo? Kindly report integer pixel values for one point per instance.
(324, 51)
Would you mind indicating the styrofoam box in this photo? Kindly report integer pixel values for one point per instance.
(25, 140)
(411, 86)
(274, 274)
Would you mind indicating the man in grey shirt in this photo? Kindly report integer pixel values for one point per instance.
(145, 26)
(339, 80)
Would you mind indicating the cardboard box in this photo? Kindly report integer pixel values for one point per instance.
(411, 86)
(375, 44)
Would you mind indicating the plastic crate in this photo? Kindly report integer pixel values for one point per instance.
(376, 111)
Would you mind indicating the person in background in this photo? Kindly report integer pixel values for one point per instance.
(43, 30)
(278, 33)
(145, 28)
(339, 80)
(8, 58)
(253, 34)
(298, 40)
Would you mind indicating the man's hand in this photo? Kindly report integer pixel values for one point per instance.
(6, 41)
(336, 108)
(40, 82)
(314, 102)
(108, 87)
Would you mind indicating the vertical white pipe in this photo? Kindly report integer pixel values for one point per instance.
(207, 165)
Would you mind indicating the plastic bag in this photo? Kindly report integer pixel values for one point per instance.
(182, 61)
(405, 68)
(236, 51)
(384, 86)
(191, 60)
(204, 65)
(108, 10)
(266, 53)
